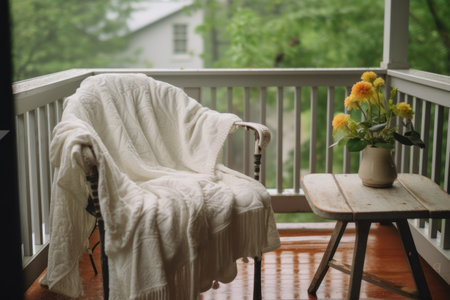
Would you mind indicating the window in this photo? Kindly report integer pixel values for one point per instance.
(180, 39)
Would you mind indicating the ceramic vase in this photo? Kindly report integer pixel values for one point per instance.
(377, 168)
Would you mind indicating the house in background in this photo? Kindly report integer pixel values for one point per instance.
(163, 35)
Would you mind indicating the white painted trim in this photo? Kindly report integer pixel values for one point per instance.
(395, 41)
(431, 252)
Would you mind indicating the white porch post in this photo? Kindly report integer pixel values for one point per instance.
(395, 43)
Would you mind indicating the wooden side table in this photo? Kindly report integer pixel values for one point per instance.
(342, 197)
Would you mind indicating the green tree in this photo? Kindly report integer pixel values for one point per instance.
(320, 33)
(429, 36)
(326, 33)
(54, 35)
(216, 40)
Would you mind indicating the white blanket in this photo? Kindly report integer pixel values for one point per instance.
(176, 219)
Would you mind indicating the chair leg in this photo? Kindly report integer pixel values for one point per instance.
(257, 275)
(104, 260)
(257, 280)
(93, 180)
(91, 250)
(91, 258)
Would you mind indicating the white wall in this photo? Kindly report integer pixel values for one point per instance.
(156, 43)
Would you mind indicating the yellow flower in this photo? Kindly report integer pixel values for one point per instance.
(369, 76)
(403, 110)
(340, 121)
(378, 82)
(362, 90)
(352, 102)
(378, 111)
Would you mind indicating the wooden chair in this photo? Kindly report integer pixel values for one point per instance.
(262, 139)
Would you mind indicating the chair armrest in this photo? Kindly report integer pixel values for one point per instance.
(89, 159)
(262, 133)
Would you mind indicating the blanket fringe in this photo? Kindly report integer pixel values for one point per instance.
(159, 293)
(215, 285)
(247, 233)
(216, 260)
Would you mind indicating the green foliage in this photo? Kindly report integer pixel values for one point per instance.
(54, 35)
(429, 36)
(319, 33)
(246, 37)
(307, 33)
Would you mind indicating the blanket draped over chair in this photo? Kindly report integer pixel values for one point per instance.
(175, 217)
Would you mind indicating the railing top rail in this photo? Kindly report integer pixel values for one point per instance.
(424, 78)
(77, 74)
(32, 93)
(42, 90)
(434, 88)
(248, 71)
(43, 81)
(254, 77)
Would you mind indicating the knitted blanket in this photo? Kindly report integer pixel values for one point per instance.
(176, 219)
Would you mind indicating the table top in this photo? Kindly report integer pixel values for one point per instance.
(344, 197)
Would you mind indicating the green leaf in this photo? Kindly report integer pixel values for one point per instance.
(414, 137)
(377, 127)
(343, 141)
(356, 144)
(420, 144)
(340, 139)
(412, 134)
(365, 124)
(361, 132)
(402, 139)
(384, 145)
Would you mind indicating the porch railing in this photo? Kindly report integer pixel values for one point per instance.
(298, 106)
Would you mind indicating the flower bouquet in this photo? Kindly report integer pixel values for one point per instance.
(375, 129)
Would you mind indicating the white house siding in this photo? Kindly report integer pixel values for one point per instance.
(155, 43)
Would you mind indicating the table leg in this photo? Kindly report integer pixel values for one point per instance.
(413, 259)
(359, 254)
(327, 256)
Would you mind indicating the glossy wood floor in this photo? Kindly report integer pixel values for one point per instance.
(287, 272)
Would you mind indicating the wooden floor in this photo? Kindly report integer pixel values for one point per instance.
(287, 272)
